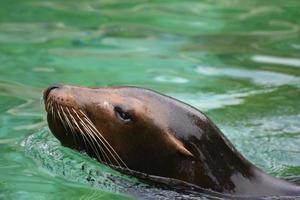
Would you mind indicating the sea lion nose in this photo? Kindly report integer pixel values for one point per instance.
(48, 90)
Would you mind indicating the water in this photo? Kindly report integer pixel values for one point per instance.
(237, 61)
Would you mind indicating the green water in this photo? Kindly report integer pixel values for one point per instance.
(239, 61)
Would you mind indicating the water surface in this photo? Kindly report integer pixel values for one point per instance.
(236, 60)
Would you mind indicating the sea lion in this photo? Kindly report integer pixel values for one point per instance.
(142, 130)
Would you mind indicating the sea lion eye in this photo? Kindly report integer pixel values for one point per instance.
(122, 115)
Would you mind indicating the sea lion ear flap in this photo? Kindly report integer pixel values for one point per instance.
(180, 146)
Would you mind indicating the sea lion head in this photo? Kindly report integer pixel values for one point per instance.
(123, 126)
(145, 131)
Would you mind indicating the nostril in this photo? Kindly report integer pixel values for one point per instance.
(48, 90)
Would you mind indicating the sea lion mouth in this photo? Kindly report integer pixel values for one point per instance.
(78, 127)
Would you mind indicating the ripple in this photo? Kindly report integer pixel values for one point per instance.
(25, 33)
(259, 77)
(293, 62)
(171, 79)
(296, 46)
(213, 101)
(271, 142)
(260, 11)
(43, 69)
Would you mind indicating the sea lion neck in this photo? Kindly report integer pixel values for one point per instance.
(215, 161)
(217, 165)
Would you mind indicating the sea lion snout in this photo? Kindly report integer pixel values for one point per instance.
(60, 95)
(48, 90)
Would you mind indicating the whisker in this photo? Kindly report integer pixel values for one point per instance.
(85, 126)
(82, 133)
(68, 122)
(61, 119)
(101, 138)
(51, 109)
(85, 139)
(92, 135)
(47, 105)
(105, 157)
(99, 134)
(71, 126)
(82, 126)
(63, 122)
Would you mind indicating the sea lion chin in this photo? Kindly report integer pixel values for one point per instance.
(148, 132)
